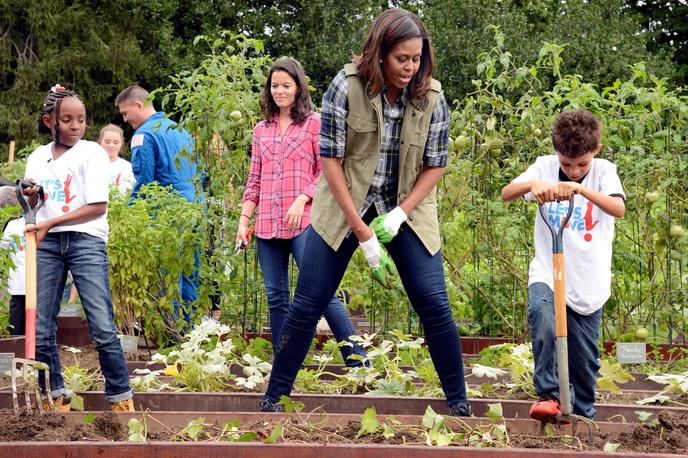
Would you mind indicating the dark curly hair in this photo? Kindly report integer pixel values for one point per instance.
(302, 106)
(576, 132)
(52, 104)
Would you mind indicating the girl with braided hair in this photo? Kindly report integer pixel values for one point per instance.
(71, 232)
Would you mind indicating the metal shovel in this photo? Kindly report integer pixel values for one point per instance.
(565, 417)
(28, 364)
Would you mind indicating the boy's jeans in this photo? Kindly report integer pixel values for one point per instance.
(85, 256)
(583, 350)
(423, 278)
(273, 255)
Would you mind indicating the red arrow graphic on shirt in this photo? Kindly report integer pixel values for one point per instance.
(589, 223)
(67, 184)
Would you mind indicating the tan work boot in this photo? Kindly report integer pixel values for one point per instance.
(61, 404)
(123, 406)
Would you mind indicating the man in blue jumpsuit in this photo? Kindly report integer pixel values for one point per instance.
(160, 152)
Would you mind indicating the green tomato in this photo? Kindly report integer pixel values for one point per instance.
(462, 142)
(641, 334)
(652, 196)
(537, 132)
(451, 145)
(236, 115)
(495, 144)
(677, 231)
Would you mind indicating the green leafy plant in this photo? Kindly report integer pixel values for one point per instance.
(152, 241)
(611, 374)
(137, 430)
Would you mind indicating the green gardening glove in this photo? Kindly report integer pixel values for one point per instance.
(378, 260)
(383, 274)
(387, 226)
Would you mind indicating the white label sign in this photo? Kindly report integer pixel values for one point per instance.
(631, 352)
(6, 363)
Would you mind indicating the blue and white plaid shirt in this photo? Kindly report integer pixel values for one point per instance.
(383, 188)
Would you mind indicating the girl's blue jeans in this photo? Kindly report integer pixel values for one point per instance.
(583, 332)
(85, 257)
(273, 256)
(322, 269)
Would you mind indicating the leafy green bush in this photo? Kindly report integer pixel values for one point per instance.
(152, 242)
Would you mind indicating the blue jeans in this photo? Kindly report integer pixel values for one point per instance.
(85, 257)
(583, 332)
(273, 255)
(422, 275)
(188, 288)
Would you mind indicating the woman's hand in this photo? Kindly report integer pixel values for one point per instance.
(41, 230)
(242, 237)
(292, 220)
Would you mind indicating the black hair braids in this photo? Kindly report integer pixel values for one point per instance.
(52, 104)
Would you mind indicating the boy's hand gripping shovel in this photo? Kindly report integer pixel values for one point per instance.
(565, 417)
(29, 361)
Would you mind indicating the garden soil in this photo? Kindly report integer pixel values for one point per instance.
(668, 435)
(47, 427)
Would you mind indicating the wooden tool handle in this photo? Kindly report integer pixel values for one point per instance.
(30, 333)
(559, 294)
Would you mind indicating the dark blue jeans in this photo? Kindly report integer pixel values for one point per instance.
(423, 278)
(273, 255)
(583, 332)
(85, 257)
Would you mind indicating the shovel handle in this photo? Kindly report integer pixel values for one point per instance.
(30, 307)
(557, 233)
(558, 267)
(29, 213)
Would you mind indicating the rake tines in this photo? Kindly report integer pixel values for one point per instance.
(30, 384)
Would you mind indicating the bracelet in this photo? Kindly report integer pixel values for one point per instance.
(244, 214)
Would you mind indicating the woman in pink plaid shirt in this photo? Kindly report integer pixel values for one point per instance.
(285, 167)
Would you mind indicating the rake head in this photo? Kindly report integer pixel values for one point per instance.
(28, 369)
(572, 419)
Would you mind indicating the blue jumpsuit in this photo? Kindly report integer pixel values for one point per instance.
(154, 147)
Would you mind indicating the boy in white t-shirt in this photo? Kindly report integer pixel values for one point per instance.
(598, 200)
(13, 239)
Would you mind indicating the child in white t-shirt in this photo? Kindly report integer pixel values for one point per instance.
(13, 239)
(71, 232)
(598, 200)
(111, 138)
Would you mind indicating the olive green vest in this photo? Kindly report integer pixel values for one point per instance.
(361, 155)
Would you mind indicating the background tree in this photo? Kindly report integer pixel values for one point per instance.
(669, 22)
(99, 48)
(601, 38)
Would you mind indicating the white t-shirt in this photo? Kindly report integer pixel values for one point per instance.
(587, 239)
(121, 175)
(16, 283)
(79, 177)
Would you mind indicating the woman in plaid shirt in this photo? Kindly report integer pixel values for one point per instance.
(384, 146)
(285, 167)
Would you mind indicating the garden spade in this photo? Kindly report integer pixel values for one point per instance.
(565, 417)
(28, 365)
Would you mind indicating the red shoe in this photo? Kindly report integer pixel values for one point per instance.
(544, 409)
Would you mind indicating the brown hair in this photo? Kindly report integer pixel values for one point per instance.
(133, 94)
(302, 105)
(576, 132)
(389, 28)
(111, 128)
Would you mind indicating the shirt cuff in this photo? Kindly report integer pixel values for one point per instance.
(440, 161)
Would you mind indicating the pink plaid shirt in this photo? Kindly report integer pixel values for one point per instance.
(282, 168)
